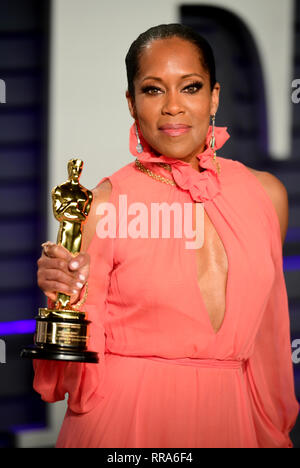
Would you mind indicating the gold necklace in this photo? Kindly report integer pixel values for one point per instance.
(158, 177)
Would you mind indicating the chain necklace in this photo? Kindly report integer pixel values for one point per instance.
(158, 177)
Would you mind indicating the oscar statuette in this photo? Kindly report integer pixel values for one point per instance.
(62, 331)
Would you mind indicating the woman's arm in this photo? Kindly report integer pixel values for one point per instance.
(81, 381)
(270, 370)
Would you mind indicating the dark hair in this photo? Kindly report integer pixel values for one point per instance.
(166, 31)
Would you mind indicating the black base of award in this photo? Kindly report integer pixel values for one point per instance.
(56, 354)
(61, 335)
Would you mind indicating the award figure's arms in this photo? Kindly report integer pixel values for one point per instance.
(88, 204)
(58, 207)
(67, 211)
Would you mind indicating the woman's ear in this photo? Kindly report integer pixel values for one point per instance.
(215, 95)
(131, 105)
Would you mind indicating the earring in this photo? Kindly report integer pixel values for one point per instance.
(213, 138)
(139, 146)
(213, 143)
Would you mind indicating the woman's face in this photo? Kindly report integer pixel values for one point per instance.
(173, 101)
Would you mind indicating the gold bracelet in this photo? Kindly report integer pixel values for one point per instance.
(81, 301)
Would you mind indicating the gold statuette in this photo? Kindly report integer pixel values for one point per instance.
(62, 332)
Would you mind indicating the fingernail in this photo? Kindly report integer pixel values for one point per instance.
(46, 244)
(75, 291)
(82, 277)
(79, 285)
(74, 265)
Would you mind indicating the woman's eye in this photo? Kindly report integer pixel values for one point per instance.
(193, 88)
(152, 90)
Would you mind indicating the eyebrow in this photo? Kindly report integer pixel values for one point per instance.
(182, 77)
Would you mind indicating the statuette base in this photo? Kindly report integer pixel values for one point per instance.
(38, 352)
(60, 335)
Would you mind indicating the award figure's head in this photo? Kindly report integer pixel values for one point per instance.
(74, 169)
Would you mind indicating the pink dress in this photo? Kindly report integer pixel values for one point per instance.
(165, 377)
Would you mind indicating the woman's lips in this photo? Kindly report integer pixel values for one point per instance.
(174, 130)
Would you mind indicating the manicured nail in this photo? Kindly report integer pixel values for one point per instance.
(79, 285)
(47, 244)
(82, 277)
(74, 265)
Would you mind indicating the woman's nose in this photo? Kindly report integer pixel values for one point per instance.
(172, 104)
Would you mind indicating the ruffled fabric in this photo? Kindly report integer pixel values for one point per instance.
(202, 186)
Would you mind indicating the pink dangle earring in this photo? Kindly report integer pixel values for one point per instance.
(213, 143)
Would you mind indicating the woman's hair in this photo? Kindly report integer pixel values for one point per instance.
(167, 31)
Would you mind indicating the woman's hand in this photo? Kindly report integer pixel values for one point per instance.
(60, 271)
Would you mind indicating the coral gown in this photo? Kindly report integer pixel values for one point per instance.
(165, 377)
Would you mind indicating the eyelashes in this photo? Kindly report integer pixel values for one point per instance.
(192, 88)
(150, 90)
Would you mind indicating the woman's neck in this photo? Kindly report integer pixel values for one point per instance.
(193, 161)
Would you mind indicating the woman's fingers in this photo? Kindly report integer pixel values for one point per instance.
(80, 265)
(56, 251)
(70, 284)
(80, 262)
(58, 257)
(60, 271)
(51, 295)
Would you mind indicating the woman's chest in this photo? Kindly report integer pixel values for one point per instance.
(206, 281)
(212, 272)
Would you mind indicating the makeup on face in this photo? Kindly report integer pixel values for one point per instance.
(173, 99)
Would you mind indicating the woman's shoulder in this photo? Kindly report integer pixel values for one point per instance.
(103, 189)
(266, 186)
(271, 184)
(277, 193)
(104, 193)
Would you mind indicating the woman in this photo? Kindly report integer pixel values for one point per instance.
(194, 343)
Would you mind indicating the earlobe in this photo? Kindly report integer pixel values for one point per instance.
(215, 99)
(131, 105)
